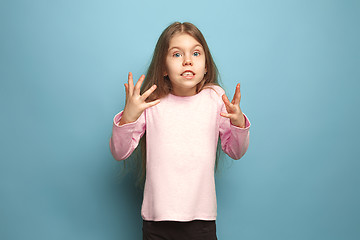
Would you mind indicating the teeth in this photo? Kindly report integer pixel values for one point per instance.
(187, 74)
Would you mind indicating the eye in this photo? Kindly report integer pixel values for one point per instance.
(176, 55)
(196, 54)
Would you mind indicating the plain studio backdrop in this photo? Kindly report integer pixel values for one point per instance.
(62, 68)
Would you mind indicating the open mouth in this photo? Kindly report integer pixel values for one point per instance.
(188, 73)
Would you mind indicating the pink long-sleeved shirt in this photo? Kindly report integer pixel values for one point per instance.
(181, 139)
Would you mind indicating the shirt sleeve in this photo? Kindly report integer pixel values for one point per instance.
(234, 140)
(125, 138)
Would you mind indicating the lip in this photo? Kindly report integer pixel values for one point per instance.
(188, 71)
(188, 77)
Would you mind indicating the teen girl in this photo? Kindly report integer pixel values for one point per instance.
(181, 111)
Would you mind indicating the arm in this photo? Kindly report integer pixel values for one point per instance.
(125, 138)
(234, 140)
(129, 125)
(234, 126)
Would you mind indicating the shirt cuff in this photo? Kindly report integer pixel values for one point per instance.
(247, 124)
(117, 119)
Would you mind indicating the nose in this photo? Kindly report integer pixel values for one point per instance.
(187, 62)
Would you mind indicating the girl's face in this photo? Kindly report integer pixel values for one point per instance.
(185, 64)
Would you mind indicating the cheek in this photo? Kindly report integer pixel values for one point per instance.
(202, 66)
(168, 67)
(201, 62)
(171, 68)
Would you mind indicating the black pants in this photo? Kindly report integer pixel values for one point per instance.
(174, 230)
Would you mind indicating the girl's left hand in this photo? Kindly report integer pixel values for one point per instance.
(233, 109)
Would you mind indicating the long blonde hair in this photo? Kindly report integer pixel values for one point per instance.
(155, 75)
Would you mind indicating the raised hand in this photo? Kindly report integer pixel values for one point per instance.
(135, 103)
(233, 109)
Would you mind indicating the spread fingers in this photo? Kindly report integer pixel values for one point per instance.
(147, 93)
(138, 84)
(130, 84)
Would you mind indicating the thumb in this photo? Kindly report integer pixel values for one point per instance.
(126, 90)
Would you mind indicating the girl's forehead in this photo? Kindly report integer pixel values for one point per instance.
(183, 40)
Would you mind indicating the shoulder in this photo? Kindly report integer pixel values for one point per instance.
(214, 94)
(214, 89)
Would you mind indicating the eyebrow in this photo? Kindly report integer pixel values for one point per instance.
(197, 45)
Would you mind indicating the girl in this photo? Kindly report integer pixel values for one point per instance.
(182, 111)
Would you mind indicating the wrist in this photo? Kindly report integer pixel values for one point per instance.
(126, 119)
(122, 122)
(239, 122)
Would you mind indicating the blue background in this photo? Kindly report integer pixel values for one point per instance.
(62, 69)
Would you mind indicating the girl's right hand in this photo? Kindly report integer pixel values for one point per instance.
(135, 103)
